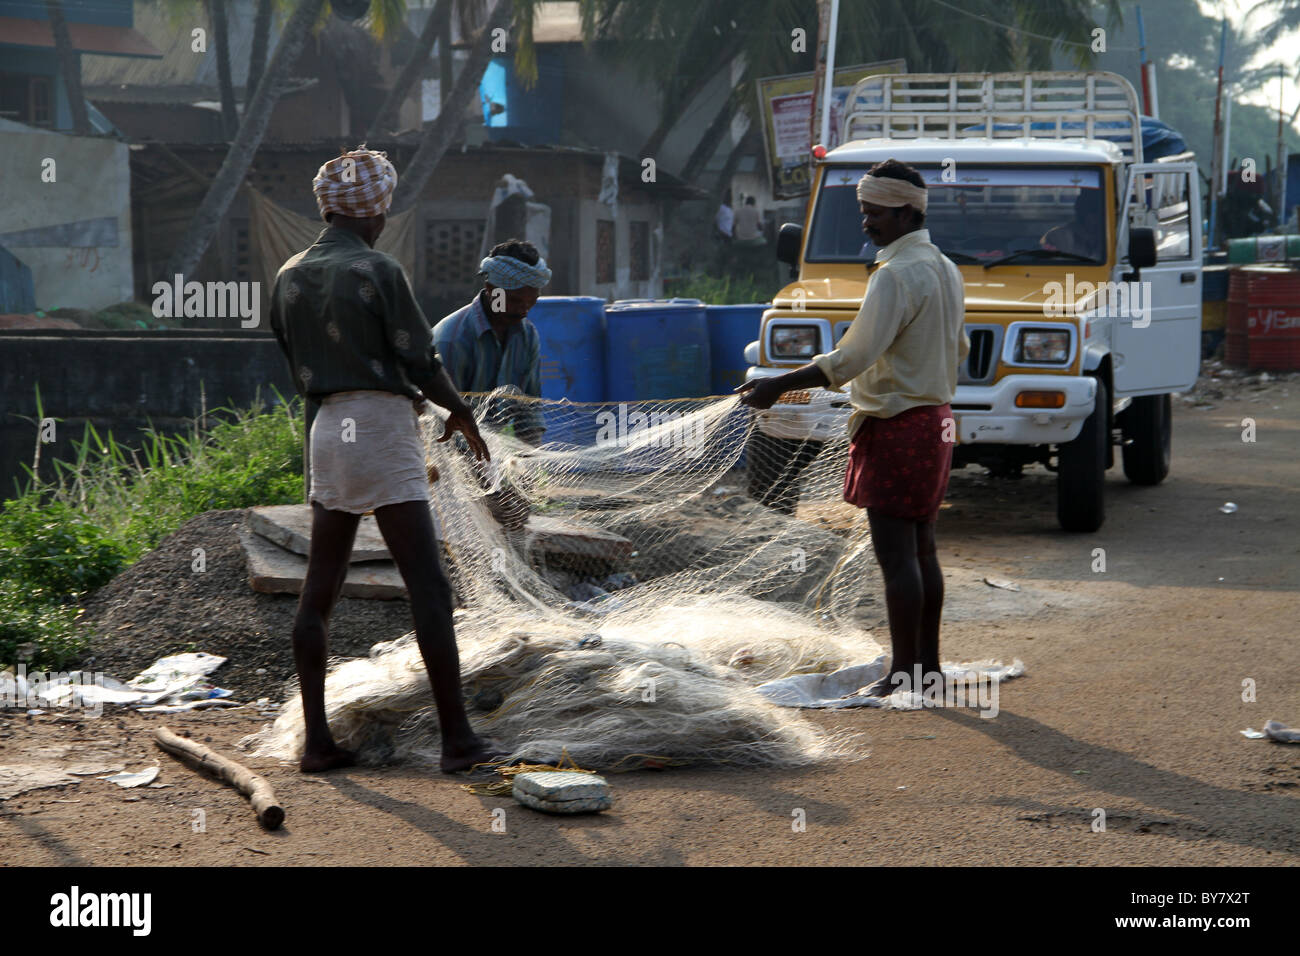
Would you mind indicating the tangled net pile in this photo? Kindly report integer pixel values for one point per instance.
(648, 657)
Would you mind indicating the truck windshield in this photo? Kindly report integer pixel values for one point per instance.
(984, 213)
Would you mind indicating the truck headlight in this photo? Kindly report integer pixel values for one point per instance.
(1043, 345)
(794, 341)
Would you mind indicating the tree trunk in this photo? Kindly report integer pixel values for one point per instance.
(672, 112)
(69, 65)
(411, 71)
(257, 55)
(446, 66)
(750, 141)
(221, 43)
(708, 143)
(239, 157)
(438, 134)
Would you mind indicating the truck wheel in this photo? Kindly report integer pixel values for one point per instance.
(1081, 472)
(1147, 426)
(774, 466)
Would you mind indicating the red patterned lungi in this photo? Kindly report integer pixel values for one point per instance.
(899, 466)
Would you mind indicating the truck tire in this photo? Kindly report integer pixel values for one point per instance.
(1081, 471)
(1147, 427)
(774, 466)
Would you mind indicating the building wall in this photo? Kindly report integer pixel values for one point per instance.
(25, 60)
(126, 381)
(73, 233)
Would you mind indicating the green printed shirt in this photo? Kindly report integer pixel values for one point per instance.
(346, 319)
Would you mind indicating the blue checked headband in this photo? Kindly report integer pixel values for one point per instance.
(506, 272)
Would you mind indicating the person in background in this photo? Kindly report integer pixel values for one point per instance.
(900, 358)
(357, 342)
(749, 225)
(725, 220)
(1084, 235)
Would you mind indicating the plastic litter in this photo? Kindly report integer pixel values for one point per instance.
(170, 680)
(128, 780)
(1228, 507)
(839, 688)
(1276, 730)
(1002, 583)
(1253, 734)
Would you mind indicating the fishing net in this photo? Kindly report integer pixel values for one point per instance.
(671, 561)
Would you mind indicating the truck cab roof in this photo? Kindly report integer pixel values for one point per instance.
(976, 151)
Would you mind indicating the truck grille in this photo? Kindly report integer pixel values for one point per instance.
(982, 360)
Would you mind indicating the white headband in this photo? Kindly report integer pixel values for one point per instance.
(885, 191)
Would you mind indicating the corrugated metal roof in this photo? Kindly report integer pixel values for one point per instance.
(180, 65)
(116, 41)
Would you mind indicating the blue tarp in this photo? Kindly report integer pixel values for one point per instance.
(1158, 139)
(17, 293)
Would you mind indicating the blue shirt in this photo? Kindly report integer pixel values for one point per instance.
(478, 362)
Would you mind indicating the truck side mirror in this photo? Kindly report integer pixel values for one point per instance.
(1141, 247)
(788, 242)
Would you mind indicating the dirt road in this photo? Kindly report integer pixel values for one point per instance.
(1132, 706)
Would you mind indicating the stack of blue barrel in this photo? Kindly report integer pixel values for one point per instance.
(636, 350)
(641, 349)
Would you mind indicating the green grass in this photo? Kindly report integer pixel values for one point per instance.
(111, 504)
(721, 290)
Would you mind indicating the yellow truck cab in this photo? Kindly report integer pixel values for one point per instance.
(1082, 268)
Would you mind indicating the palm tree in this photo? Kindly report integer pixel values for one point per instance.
(257, 54)
(680, 45)
(221, 48)
(439, 134)
(69, 65)
(413, 68)
(239, 157)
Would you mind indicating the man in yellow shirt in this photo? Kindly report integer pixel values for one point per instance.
(900, 359)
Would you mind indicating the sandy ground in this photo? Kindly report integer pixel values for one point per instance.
(1132, 705)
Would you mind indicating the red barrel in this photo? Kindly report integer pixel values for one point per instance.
(1263, 329)
(1235, 344)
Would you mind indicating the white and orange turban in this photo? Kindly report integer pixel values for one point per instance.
(886, 191)
(358, 184)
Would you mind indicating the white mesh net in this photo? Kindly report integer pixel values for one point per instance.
(628, 621)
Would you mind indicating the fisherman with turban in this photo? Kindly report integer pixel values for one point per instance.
(358, 343)
(490, 343)
(899, 358)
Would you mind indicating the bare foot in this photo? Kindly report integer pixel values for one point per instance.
(881, 688)
(331, 759)
(477, 752)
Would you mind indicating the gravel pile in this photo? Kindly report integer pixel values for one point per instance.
(161, 606)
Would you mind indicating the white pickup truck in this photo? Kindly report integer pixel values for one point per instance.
(1082, 267)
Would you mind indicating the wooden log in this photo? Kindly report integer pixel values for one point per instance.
(269, 812)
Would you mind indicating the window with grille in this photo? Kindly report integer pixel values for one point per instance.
(451, 248)
(604, 251)
(639, 251)
(26, 99)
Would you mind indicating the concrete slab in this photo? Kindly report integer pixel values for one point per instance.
(275, 570)
(289, 526)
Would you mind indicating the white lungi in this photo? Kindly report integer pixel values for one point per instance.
(366, 452)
